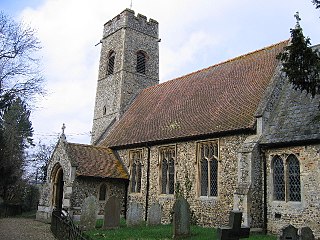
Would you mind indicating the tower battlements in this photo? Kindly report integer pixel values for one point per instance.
(127, 19)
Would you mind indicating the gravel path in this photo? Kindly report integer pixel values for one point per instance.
(24, 229)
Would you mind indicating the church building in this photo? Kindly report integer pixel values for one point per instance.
(233, 136)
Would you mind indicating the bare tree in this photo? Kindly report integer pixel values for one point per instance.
(317, 3)
(39, 161)
(19, 67)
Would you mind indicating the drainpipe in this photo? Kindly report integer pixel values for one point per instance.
(126, 198)
(265, 197)
(148, 184)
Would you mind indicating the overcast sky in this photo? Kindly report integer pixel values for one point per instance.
(194, 35)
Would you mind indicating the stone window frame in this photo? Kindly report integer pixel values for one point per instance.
(287, 177)
(141, 64)
(171, 147)
(111, 57)
(104, 198)
(198, 169)
(136, 189)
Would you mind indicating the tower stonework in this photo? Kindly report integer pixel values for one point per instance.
(122, 71)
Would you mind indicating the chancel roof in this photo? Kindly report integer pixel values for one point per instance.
(295, 119)
(92, 161)
(219, 99)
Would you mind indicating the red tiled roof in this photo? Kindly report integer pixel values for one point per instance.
(221, 98)
(95, 161)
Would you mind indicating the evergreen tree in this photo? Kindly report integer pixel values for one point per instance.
(301, 63)
(16, 136)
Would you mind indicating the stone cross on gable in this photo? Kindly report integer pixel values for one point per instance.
(63, 136)
(234, 231)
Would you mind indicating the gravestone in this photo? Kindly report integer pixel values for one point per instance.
(289, 232)
(181, 218)
(134, 214)
(306, 234)
(89, 213)
(112, 213)
(154, 214)
(234, 231)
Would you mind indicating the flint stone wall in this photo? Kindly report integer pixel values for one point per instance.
(306, 212)
(213, 211)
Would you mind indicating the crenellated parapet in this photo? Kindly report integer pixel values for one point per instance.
(127, 19)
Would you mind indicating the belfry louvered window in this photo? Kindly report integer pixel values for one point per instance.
(208, 168)
(294, 188)
(167, 160)
(286, 179)
(278, 179)
(136, 169)
(110, 63)
(141, 62)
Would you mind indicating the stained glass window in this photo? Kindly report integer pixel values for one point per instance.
(102, 192)
(208, 168)
(294, 188)
(278, 179)
(286, 179)
(167, 160)
(136, 170)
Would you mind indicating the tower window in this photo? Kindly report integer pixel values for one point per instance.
(141, 62)
(110, 66)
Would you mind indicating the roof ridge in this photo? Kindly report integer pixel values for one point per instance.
(221, 63)
(87, 145)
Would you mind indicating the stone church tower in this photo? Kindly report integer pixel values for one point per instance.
(129, 62)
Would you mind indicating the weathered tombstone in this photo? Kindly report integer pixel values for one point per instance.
(154, 215)
(234, 231)
(306, 234)
(181, 218)
(134, 214)
(89, 213)
(112, 213)
(289, 232)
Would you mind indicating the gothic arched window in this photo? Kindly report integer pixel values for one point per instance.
(141, 62)
(102, 192)
(167, 161)
(136, 169)
(208, 168)
(278, 179)
(286, 179)
(294, 186)
(110, 62)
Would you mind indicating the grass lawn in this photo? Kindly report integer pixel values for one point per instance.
(157, 232)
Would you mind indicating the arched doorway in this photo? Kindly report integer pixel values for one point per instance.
(57, 181)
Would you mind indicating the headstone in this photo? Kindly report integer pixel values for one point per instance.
(181, 218)
(234, 231)
(89, 213)
(134, 214)
(289, 233)
(112, 213)
(306, 234)
(154, 215)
